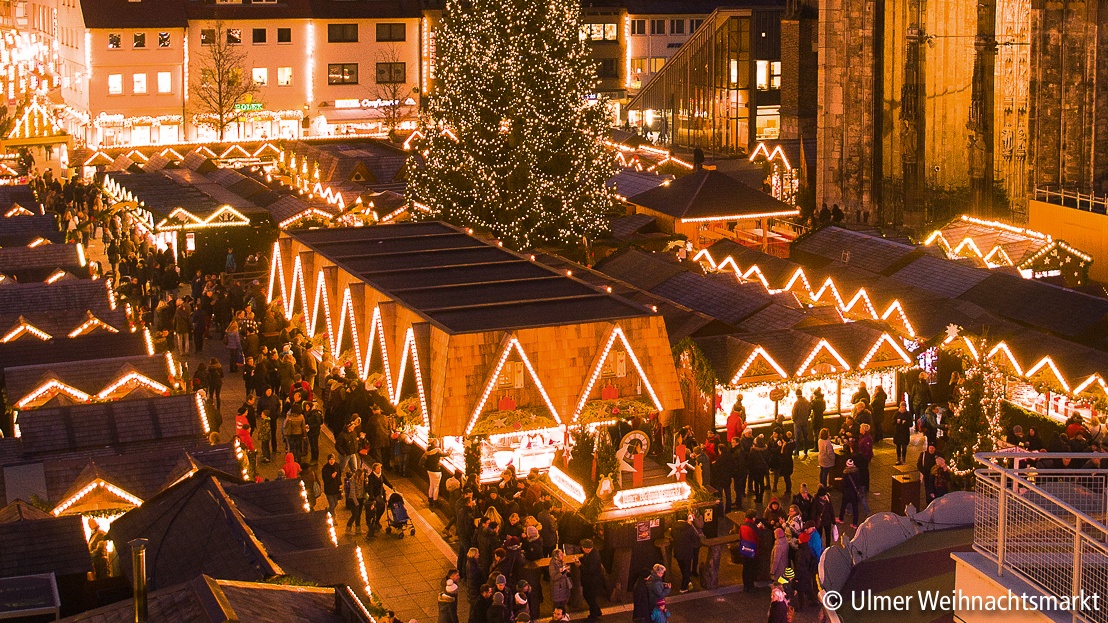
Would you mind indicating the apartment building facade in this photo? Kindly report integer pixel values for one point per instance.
(321, 67)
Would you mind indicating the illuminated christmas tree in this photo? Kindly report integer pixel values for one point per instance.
(976, 425)
(511, 141)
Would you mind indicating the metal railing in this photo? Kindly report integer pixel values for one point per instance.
(1073, 199)
(1043, 521)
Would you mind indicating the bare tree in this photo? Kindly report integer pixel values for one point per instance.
(222, 83)
(392, 94)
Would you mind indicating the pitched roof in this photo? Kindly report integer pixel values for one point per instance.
(462, 283)
(18, 510)
(206, 600)
(194, 527)
(91, 377)
(709, 194)
(43, 546)
(118, 424)
(858, 250)
(36, 263)
(96, 345)
(23, 230)
(127, 14)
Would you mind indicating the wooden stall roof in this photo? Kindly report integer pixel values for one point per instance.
(90, 377)
(710, 195)
(208, 600)
(23, 230)
(59, 308)
(460, 283)
(119, 424)
(988, 244)
(61, 349)
(56, 545)
(23, 260)
(210, 524)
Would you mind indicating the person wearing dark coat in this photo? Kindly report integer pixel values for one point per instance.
(375, 488)
(778, 607)
(686, 544)
(877, 406)
(723, 470)
(593, 579)
(498, 612)
(464, 519)
(479, 608)
(758, 466)
(641, 599)
(902, 432)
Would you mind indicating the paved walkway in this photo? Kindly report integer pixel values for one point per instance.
(405, 574)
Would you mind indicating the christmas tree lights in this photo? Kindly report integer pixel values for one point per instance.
(524, 157)
(976, 423)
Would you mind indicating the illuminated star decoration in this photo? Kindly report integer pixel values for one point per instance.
(952, 330)
(677, 467)
(499, 422)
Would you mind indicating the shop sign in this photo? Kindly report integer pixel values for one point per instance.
(642, 531)
(657, 494)
(374, 103)
(568, 485)
(249, 107)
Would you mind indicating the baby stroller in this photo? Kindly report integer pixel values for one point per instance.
(398, 516)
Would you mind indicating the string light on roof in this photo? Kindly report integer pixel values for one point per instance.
(758, 352)
(93, 486)
(513, 345)
(1049, 363)
(616, 333)
(46, 392)
(1002, 347)
(24, 328)
(133, 380)
(822, 345)
(884, 339)
(362, 571)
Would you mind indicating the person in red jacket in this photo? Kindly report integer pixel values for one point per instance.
(748, 531)
(736, 422)
(291, 468)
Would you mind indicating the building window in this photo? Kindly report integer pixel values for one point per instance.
(284, 76)
(656, 64)
(391, 32)
(676, 26)
(234, 36)
(695, 24)
(342, 73)
(607, 68)
(342, 33)
(638, 66)
(139, 40)
(163, 39)
(115, 41)
(258, 36)
(261, 76)
(768, 75)
(207, 36)
(284, 35)
(657, 26)
(600, 32)
(115, 84)
(638, 26)
(165, 82)
(391, 73)
(138, 82)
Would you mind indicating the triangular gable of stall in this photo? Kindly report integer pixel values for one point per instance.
(616, 338)
(410, 358)
(884, 353)
(509, 345)
(822, 359)
(759, 367)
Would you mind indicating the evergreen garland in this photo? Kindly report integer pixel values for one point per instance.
(511, 143)
(580, 457)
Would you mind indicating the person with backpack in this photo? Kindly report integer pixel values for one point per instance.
(748, 549)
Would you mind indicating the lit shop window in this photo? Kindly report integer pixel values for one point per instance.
(284, 76)
(600, 32)
(769, 75)
(115, 84)
(165, 82)
(138, 82)
(261, 76)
